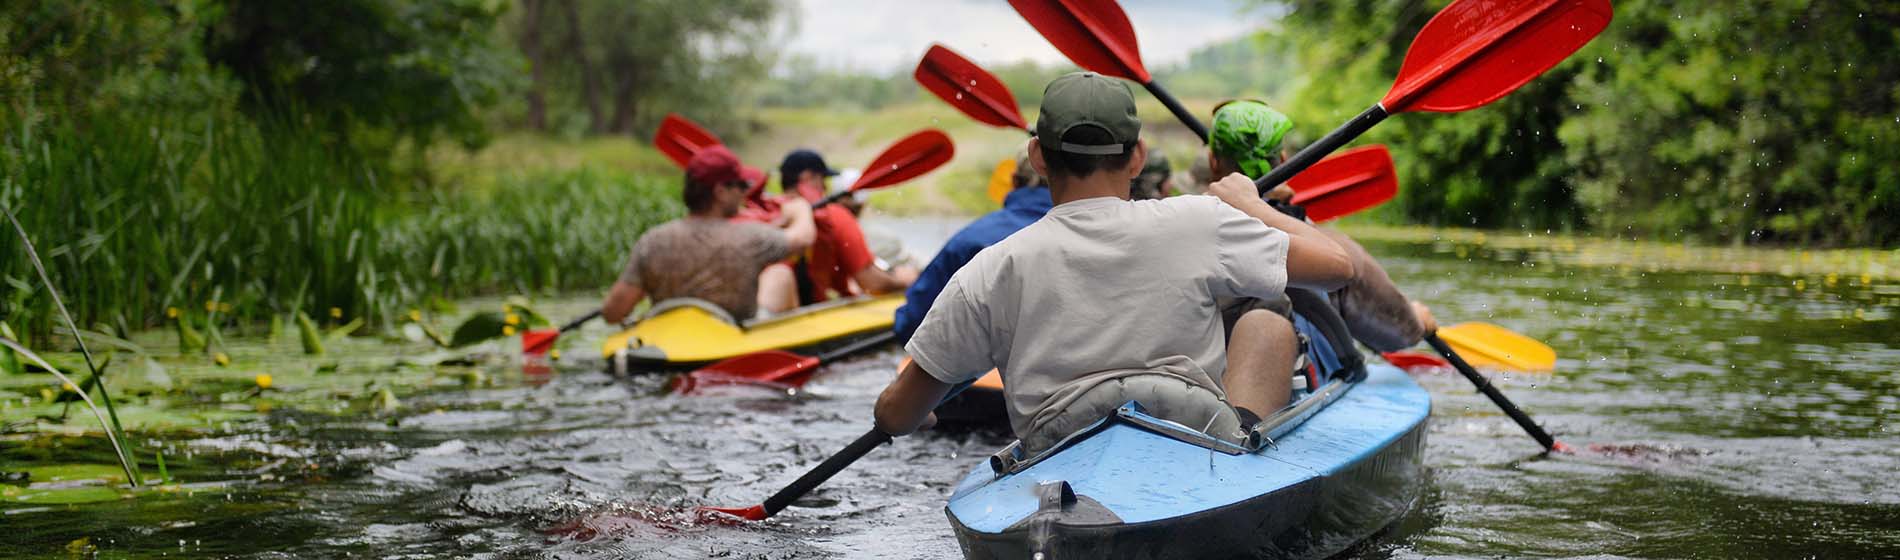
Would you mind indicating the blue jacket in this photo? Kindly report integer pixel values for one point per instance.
(1022, 207)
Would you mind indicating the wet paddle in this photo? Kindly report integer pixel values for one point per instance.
(968, 87)
(1488, 345)
(546, 341)
(678, 138)
(772, 368)
(1096, 35)
(1497, 397)
(1348, 182)
(818, 474)
(1483, 345)
(1470, 54)
(917, 154)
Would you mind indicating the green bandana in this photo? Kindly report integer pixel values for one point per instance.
(1249, 133)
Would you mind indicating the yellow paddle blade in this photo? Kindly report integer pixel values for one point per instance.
(1488, 345)
(1000, 184)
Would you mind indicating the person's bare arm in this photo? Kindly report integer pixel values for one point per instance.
(1312, 259)
(620, 301)
(905, 406)
(799, 230)
(1374, 309)
(875, 280)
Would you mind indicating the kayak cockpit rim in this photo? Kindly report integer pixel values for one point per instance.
(1010, 460)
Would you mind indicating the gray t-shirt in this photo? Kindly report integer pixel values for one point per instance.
(1097, 289)
(713, 260)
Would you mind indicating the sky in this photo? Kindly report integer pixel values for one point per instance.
(889, 35)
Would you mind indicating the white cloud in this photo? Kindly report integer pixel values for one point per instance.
(885, 35)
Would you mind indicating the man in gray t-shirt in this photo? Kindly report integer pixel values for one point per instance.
(1105, 300)
(705, 255)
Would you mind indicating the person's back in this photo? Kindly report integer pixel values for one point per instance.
(1112, 288)
(1027, 202)
(1103, 300)
(706, 258)
(707, 255)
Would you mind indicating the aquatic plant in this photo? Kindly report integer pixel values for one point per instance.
(147, 213)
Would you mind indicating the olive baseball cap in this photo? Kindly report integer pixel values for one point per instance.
(1087, 99)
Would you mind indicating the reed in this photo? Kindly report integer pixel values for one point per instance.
(140, 213)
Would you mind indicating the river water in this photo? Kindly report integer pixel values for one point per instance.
(1733, 417)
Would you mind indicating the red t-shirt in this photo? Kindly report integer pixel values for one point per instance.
(838, 254)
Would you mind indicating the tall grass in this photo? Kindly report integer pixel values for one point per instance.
(137, 213)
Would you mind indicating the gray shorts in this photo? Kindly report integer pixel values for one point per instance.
(1164, 396)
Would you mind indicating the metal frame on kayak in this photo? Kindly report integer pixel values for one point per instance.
(1325, 473)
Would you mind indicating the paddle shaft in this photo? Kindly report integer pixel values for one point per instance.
(824, 471)
(859, 346)
(571, 325)
(835, 464)
(1322, 148)
(1484, 386)
(1180, 111)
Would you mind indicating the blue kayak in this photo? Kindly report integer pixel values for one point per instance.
(1341, 463)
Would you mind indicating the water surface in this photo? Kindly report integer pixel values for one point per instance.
(1745, 416)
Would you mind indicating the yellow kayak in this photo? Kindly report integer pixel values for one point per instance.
(689, 332)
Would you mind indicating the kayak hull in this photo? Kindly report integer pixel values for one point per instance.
(690, 336)
(1127, 492)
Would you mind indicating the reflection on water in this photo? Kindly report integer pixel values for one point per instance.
(1734, 418)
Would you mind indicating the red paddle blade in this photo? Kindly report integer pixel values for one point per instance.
(1410, 361)
(914, 155)
(1476, 51)
(679, 138)
(1347, 182)
(1095, 34)
(771, 366)
(751, 513)
(968, 87)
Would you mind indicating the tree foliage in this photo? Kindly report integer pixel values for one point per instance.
(1778, 122)
(618, 66)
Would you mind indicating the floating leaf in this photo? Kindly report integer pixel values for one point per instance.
(307, 331)
(156, 376)
(483, 326)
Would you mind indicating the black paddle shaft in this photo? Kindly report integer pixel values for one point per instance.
(859, 346)
(824, 471)
(582, 320)
(838, 462)
(1322, 148)
(1484, 386)
(1180, 111)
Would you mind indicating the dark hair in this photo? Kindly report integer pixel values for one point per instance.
(697, 197)
(1067, 164)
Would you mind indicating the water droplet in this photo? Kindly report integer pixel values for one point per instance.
(959, 96)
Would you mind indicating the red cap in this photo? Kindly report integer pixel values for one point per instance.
(713, 166)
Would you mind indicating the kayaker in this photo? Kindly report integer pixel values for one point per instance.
(1105, 300)
(1250, 138)
(706, 254)
(1152, 183)
(1027, 201)
(840, 261)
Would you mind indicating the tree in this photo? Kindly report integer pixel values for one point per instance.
(621, 65)
(1771, 123)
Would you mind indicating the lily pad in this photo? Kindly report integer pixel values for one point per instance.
(484, 326)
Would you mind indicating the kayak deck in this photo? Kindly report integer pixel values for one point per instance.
(1127, 491)
(689, 335)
